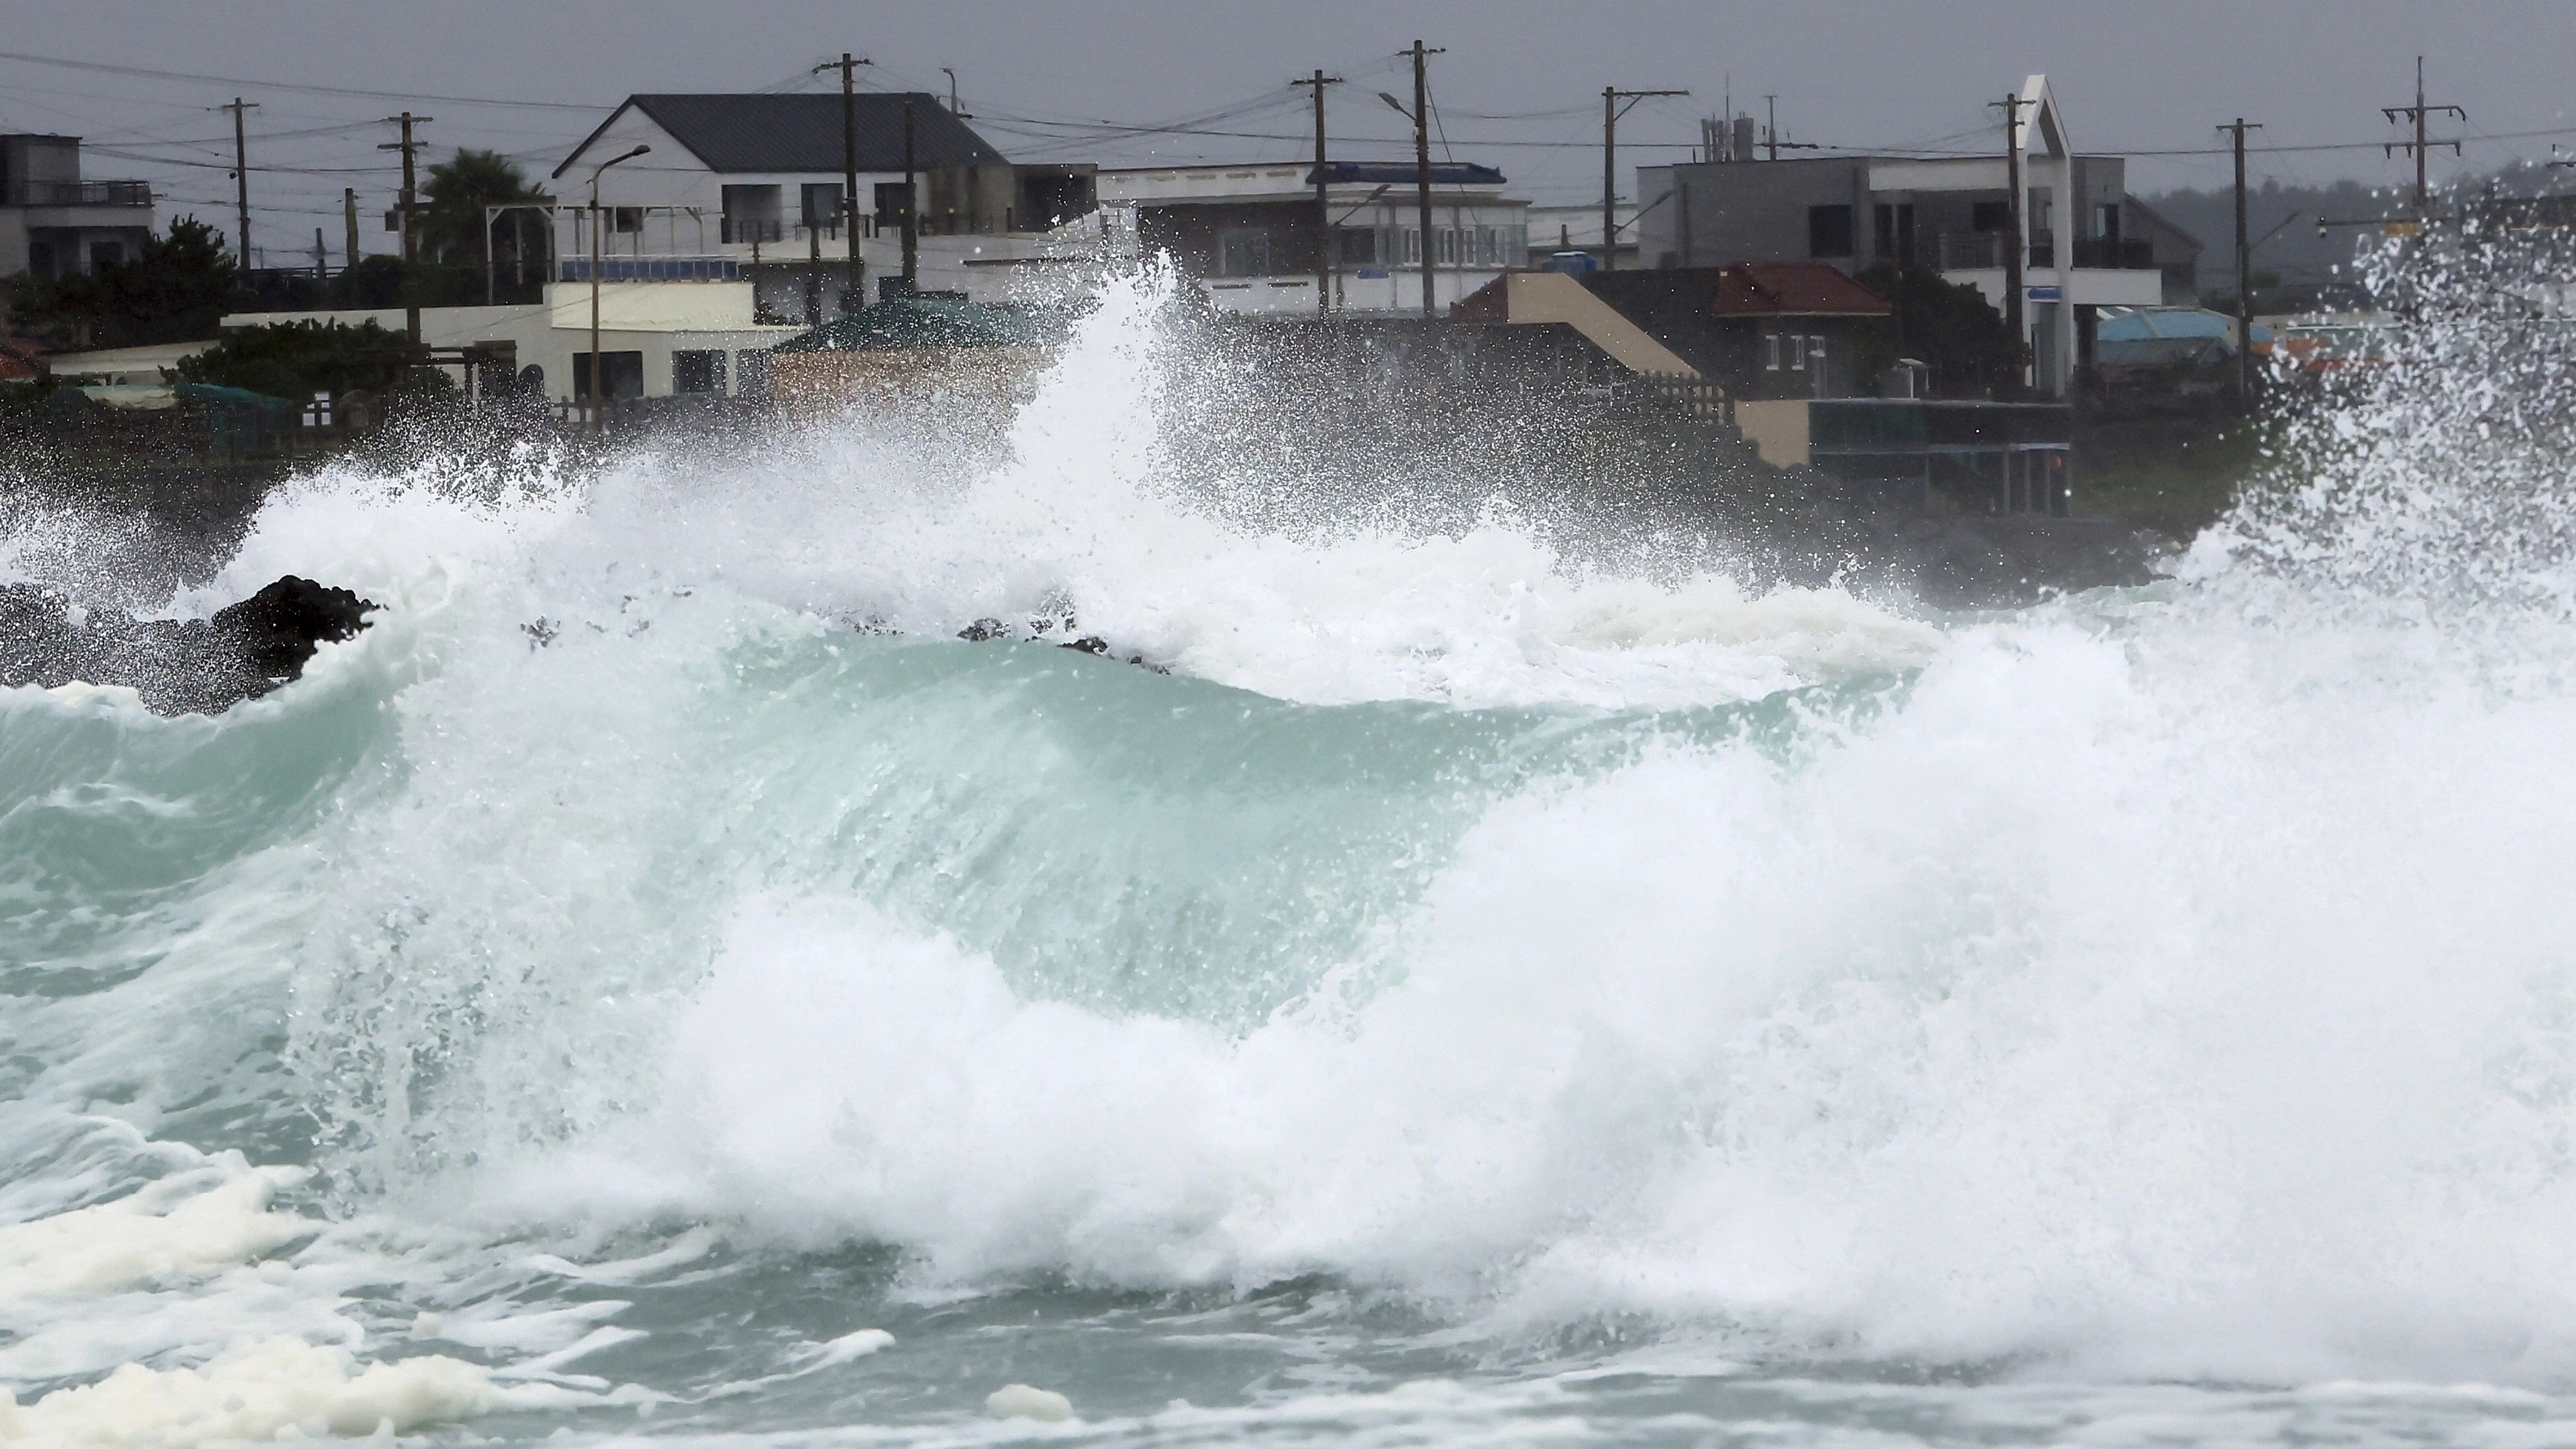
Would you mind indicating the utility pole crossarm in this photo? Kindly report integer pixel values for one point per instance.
(2244, 269)
(1323, 198)
(410, 203)
(241, 180)
(1611, 111)
(854, 288)
(2422, 146)
(1421, 55)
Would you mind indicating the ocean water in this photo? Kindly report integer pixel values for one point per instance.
(659, 984)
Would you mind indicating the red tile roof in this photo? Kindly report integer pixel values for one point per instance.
(1793, 289)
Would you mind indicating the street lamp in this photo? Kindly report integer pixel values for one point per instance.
(598, 363)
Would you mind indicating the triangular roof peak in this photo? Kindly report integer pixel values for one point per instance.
(2043, 125)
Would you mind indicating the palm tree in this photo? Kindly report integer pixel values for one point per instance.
(452, 219)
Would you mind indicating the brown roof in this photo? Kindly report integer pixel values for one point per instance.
(1793, 289)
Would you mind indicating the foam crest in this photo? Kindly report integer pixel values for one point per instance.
(279, 1388)
(184, 1226)
(2107, 1004)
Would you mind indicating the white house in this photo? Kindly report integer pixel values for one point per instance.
(659, 338)
(749, 187)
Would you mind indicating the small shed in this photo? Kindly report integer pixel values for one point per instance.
(917, 347)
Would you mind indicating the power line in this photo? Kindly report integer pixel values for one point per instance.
(103, 68)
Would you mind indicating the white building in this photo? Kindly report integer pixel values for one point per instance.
(749, 188)
(1248, 234)
(2085, 243)
(659, 338)
(53, 223)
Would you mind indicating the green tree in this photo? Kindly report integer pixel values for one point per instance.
(176, 291)
(298, 359)
(1950, 326)
(452, 219)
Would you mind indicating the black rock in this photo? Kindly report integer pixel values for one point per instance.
(202, 666)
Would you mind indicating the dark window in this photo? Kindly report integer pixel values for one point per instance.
(693, 371)
(625, 219)
(1358, 246)
(625, 375)
(751, 214)
(1829, 231)
(2106, 220)
(891, 199)
(751, 372)
(104, 254)
(40, 260)
(821, 208)
(1894, 232)
(1990, 216)
(1244, 252)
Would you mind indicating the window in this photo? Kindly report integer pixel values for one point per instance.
(2106, 220)
(693, 371)
(104, 254)
(625, 220)
(1358, 247)
(625, 375)
(819, 205)
(751, 371)
(1829, 231)
(751, 214)
(1990, 216)
(1243, 252)
(1893, 231)
(1797, 349)
(1770, 352)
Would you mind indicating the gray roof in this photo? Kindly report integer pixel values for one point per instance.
(802, 133)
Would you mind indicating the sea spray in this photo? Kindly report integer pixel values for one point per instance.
(1493, 980)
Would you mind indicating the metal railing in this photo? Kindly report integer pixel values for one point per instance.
(741, 231)
(1968, 251)
(77, 193)
(2125, 254)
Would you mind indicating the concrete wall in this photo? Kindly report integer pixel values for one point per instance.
(1749, 210)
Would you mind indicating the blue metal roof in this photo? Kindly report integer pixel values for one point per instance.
(1371, 173)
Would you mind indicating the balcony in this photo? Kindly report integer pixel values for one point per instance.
(1972, 251)
(2121, 254)
(78, 193)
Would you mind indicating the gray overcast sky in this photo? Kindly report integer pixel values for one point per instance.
(1519, 86)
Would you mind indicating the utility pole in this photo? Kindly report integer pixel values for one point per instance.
(1611, 111)
(854, 291)
(1422, 165)
(241, 182)
(349, 216)
(1323, 199)
(2244, 270)
(2419, 113)
(2013, 241)
(911, 210)
(410, 200)
(1771, 125)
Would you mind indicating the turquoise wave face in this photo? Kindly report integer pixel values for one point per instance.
(1477, 991)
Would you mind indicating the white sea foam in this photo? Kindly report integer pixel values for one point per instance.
(184, 1226)
(264, 1390)
(1023, 1401)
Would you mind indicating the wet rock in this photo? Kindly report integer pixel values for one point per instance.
(177, 666)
